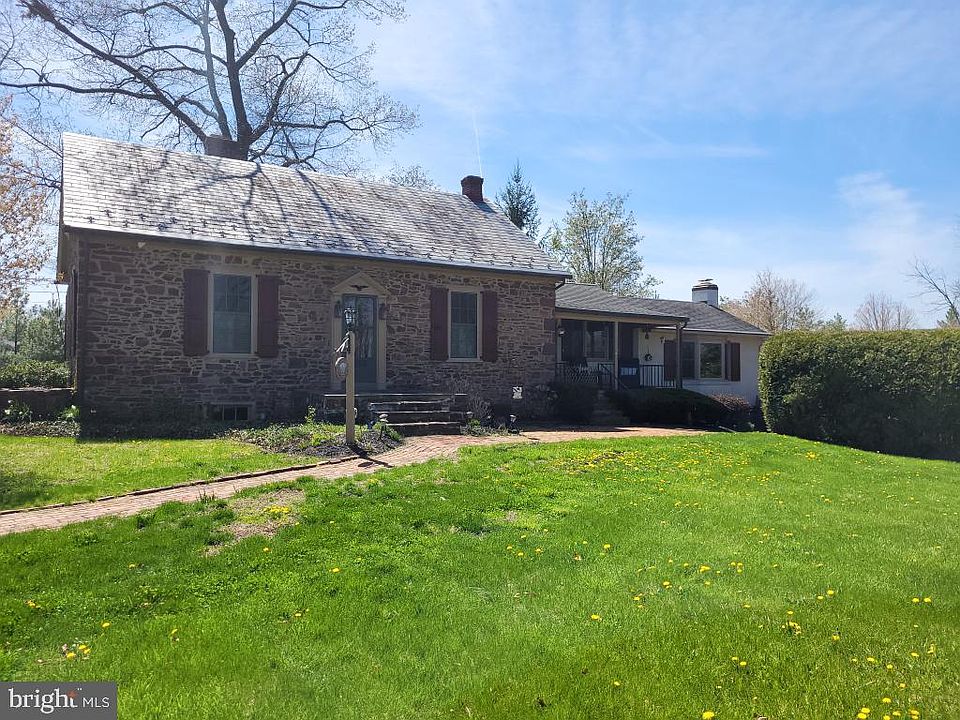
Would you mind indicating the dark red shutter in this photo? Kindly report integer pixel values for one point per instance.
(438, 324)
(734, 361)
(491, 322)
(669, 359)
(195, 310)
(268, 315)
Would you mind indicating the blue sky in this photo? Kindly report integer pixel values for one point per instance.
(818, 139)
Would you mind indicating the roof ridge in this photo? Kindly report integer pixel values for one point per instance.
(202, 158)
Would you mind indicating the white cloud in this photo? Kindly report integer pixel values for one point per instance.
(675, 57)
(871, 248)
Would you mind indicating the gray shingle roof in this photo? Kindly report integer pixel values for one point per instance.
(700, 316)
(134, 189)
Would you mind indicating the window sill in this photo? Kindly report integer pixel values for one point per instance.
(464, 360)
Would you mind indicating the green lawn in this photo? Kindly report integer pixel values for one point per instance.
(610, 579)
(45, 470)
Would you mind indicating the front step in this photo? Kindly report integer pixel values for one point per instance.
(404, 416)
(427, 428)
(606, 413)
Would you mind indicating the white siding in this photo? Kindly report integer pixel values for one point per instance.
(747, 388)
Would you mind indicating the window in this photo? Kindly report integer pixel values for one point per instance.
(688, 360)
(710, 361)
(463, 325)
(230, 413)
(232, 313)
(598, 341)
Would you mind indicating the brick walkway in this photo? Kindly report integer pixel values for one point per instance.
(415, 450)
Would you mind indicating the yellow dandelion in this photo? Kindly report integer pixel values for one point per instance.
(105, 625)
(830, 593)
(927, 600)
(266, 549)
(335, 570)
(70, 655)
(708, 715)
(835, 637)
(616, 683)
(871, 659)
(915, 600)
(886, 700)
(606, 546)
(596, 617)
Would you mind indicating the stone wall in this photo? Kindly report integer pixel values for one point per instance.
(43, 402)
(130, 359)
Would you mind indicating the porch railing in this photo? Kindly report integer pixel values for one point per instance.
(598, 374)
(638, 376)
(601, 375)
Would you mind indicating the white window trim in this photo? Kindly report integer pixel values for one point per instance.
(469, 290)
(721, 377)
(254, 311)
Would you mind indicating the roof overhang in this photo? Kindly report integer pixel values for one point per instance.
(299, 248)
(655, 320)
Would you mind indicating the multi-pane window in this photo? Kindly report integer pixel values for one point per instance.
(232, 313)
(710, 361)
(463, 325)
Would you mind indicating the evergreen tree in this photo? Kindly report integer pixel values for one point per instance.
(518, 202)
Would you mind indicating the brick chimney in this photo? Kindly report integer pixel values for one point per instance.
(223, 147)
(472, 187)
(706, 291)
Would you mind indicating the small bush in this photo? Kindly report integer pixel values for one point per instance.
(666, 406)
(539, 403)
(574, 403)
(17, 412)
(896, 392)
(34, 373)
(738, 413)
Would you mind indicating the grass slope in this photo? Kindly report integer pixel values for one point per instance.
(46, 470)
(590, 580)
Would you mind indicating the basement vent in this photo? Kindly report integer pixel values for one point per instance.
(230, 413)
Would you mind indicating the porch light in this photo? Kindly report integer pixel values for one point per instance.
(349, 318)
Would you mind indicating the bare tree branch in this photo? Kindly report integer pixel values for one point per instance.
(284, 80)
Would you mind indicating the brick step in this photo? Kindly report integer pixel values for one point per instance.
(412, 416)
(427, 428)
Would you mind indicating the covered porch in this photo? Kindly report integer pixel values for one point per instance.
(616, 351)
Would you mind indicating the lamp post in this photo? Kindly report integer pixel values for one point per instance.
(350, 402)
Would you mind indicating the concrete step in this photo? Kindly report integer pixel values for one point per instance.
(426, 428)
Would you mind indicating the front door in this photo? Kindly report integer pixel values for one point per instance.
(365, 332)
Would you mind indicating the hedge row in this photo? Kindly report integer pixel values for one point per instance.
(667, 406)
(34, 373)
(896, 392)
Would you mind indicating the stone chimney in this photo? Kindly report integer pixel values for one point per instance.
(223, 147)
(472, 186)
(706, 291)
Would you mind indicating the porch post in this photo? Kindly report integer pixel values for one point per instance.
(616, 353)
(679, 382)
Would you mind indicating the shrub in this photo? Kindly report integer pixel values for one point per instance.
(667, 406)
(574, 403)
(17, 412)
(896, 392)
(34, 373)
(738, 413)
